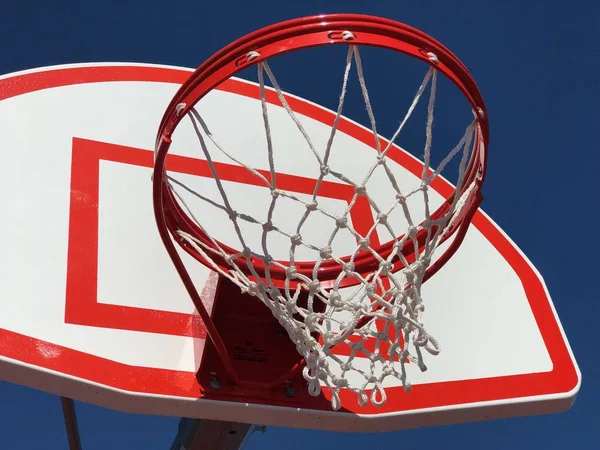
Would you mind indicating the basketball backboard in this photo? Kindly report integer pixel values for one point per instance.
(91, 307)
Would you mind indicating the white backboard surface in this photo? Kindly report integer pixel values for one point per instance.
(91, 307)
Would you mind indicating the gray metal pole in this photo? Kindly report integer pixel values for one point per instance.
(204, 434)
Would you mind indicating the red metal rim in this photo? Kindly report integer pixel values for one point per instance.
(300, 34)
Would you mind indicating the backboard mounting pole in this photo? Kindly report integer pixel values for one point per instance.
(68, 408)
(204, 434)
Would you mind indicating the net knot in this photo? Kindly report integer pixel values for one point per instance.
(324, 170)
(325, 253)
(252, 289)
(313, 286)
(233, 215)
(312, 206)
(382, 218)
(328, 337)
(312, 322)
(268, 226)
(348, 268)
(356, 346)
(399, 245)
(399, 322)
(339, 382)
(380, 336)
(363, 244)
(291, 309)
(275, 193)
(387, 371)
(374, 357)
(341, 222)
(296, 239)
(268, 260)
(360, 190)
(385, 267)
(335, 300)
(346, 366)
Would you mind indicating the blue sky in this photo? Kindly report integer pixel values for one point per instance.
(537, 64)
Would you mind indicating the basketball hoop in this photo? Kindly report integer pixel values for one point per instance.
(305, 296)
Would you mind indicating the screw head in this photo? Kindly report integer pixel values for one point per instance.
(290, 391)
(215, 384)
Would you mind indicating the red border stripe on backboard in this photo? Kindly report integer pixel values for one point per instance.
(82, 306)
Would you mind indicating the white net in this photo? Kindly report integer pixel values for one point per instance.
(390, 298)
